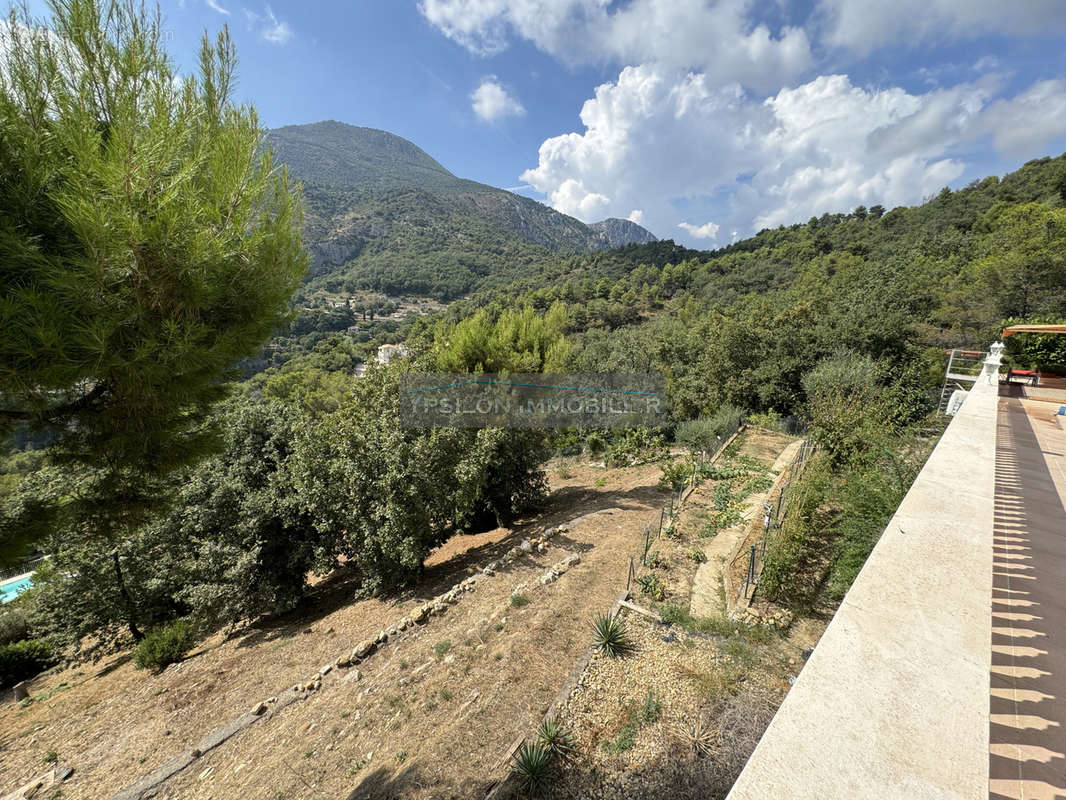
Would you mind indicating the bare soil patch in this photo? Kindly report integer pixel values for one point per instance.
(435, 709)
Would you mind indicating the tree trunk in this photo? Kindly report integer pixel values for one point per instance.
(135, 632)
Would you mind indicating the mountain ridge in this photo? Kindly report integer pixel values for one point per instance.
(383, 214)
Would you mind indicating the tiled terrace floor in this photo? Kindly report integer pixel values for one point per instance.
(1027, 712)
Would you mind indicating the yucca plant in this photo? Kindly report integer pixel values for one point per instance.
(556, 738)
(696, 735)
(532, 766)
(609, 635)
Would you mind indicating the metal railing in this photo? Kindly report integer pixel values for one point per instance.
(27, 566)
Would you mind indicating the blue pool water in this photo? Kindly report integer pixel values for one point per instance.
(12, 589)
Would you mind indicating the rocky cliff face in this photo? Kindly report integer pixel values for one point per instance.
(614, 232)
(533, 221)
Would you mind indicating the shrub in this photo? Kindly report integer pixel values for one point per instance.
(609, 635)
(635, 446)
(556, 738)
(652, 586)
(14, 625)
(675, 474)
(440, 649)
(706, 434)
(20, 661)
(697, 555)
(164, 646)
(770, 420)
(719, 624)
(518, 600)
(532, 766)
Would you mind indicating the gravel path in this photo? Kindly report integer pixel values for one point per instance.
(721, 548)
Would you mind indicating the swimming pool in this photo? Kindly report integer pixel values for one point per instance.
(11, 589)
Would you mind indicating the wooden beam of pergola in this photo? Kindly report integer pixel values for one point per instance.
(1013, 329)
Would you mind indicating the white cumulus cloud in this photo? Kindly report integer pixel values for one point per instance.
(492, 102)
(269, 27)
(636, 215)
(709, 230)
(716, 36)
(863, 26)
(659, 139)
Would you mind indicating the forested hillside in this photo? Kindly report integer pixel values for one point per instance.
(383, 215)
(840, 322)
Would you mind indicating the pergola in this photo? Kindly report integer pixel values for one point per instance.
(1013, 329)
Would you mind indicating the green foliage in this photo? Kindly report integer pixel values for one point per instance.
(556, 738)
(638, 715)
(24, 659)
(533, 768)
(714, 472)
(837, 515)
(133, 200)
(675, 474)
(384, 495)
(77, 600)
(609, 635)
(516, 341)
(164, 646)
(651, 585)
(840, 392)
(1023, 260)
(719, 625)
(14, 623)
(724, 498)
(756, 484)
(315, 391)
(769, 420)
(440, 649)
(1044, 352)
(707, 434)
(635, 446)
(868, 495)
(696, 554)
(518, 600)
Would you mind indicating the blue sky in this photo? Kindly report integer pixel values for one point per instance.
(702, 119)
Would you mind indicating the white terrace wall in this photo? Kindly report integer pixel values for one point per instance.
(893, 703)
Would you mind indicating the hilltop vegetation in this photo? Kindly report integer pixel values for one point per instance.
(385, 216)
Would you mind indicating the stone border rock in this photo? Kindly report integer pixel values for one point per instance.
(146, 784)
(55, 776)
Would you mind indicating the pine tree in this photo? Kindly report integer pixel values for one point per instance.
(147, 242)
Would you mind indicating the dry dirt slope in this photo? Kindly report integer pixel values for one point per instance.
(432, 715)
